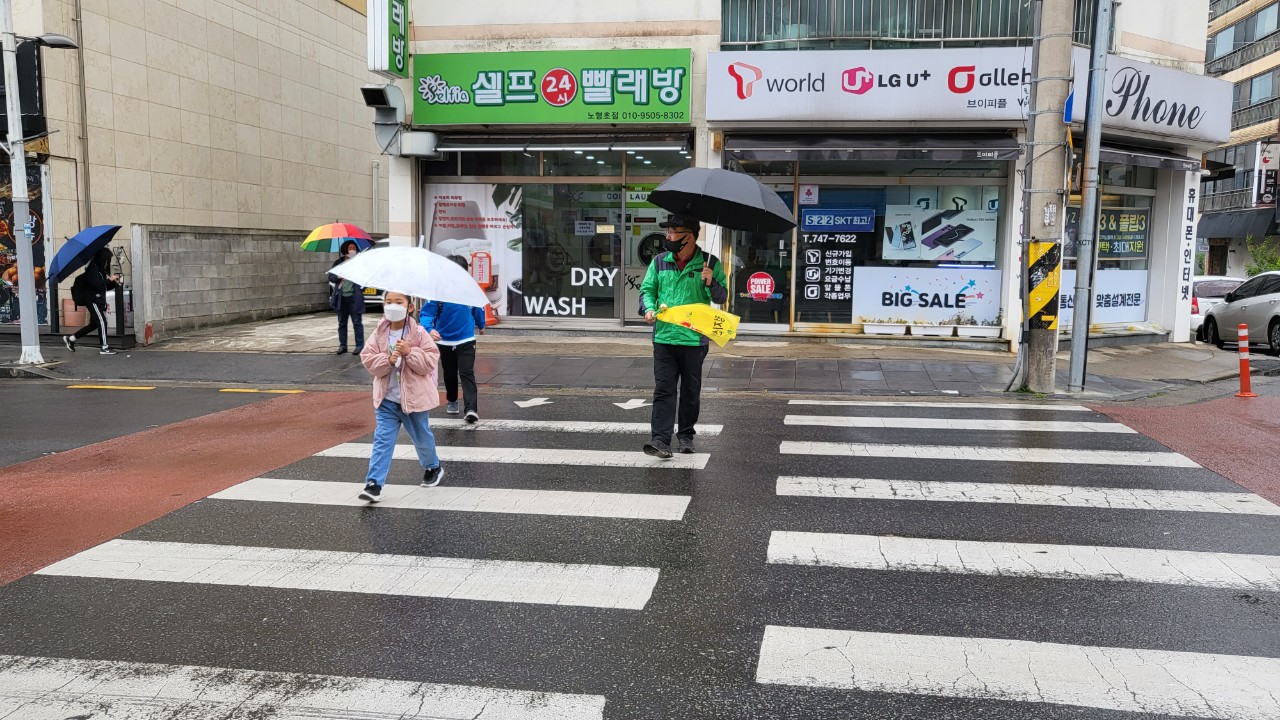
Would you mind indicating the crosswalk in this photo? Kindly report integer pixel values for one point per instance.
(816, 558)
(1006, 460)
(586, 483)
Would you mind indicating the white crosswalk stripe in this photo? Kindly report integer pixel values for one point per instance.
(945, 405)
(466, 499)
(990, 454)
(44, 688)
(1071, 562)
(918, 423)
(533, 456)
(380, 574)
(567, 426)
(1017, 494)
(1157, 682)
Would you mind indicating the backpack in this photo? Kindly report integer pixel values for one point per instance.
(81, 291)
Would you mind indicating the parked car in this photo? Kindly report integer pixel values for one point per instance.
(1256, 303)
(1207, 291)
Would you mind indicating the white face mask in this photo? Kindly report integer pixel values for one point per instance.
(395, 313)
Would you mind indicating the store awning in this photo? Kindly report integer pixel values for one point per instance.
(1148, 158)
(901, 146)
(551, 142)
(1237, 224)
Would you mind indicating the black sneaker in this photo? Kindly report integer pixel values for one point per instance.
(472, 417)
(684, 446)
(432, 477)
(372, 492)
(70, 343)
(107, 351)
(658, 449)
(341, 351)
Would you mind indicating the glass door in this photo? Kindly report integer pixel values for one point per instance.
(642, 241)
(759, 269)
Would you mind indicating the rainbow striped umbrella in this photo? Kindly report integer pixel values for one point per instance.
(329, 238)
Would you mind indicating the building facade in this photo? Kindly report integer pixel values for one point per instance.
(1243, 48)
(895, 129)
(217, 133)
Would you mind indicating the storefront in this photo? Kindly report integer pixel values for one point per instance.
(548, 158)
(904, 170)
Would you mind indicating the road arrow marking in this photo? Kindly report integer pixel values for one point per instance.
(632, 404)
(535, 402)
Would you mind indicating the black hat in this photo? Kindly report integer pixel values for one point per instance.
(682, 220)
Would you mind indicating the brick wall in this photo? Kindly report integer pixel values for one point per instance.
(188, 278)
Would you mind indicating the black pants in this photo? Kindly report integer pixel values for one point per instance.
(460, 361)
(346, 309)
(97, 321)
(676, 365)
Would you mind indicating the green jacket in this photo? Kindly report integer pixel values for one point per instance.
(665, 284)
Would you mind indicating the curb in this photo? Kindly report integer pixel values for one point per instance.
(31, 372)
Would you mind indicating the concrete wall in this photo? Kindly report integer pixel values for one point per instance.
(192, 277)
(1163, 32)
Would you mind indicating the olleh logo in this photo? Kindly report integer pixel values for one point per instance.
(964, 78)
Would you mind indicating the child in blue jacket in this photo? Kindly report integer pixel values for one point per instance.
(454, 328)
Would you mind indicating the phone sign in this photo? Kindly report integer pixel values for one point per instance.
(844, 221)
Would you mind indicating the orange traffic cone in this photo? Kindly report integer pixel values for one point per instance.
(490, 317)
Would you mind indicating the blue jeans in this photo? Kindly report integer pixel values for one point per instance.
(390, 416)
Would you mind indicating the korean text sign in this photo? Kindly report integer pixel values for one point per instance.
(389, 38)
(579, 87)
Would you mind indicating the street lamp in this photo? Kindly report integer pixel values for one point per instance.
(18, 174)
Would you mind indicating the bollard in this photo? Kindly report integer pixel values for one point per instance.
(1243, 341)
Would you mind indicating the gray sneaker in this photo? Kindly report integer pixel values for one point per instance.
(684, 446)
(452, 408)
(658, 449)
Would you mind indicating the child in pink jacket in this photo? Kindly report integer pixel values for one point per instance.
(402, 359)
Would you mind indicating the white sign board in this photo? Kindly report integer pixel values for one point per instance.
(946, 84)
(809, 195)
(1157, 100)
(928, 296)
(1119, 296)
(953, 84)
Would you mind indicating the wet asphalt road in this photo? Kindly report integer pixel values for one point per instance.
(694, 649)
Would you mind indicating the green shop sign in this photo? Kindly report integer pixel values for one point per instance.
(536, 88)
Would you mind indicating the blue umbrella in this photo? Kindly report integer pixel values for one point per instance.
(79, 250)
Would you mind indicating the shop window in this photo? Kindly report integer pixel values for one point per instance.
(572, 254)
(583, 163)
(500, 164)
(657, 163)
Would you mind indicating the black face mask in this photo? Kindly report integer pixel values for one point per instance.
(674, 245)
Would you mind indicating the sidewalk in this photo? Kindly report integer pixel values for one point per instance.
(299, 351)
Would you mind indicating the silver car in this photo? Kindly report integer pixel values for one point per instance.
(1207, 291)
(1255, 303)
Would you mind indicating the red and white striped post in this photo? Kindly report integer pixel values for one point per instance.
(1243, 342)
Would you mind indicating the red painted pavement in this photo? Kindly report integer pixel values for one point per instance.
(57, 506)
(1235, 437)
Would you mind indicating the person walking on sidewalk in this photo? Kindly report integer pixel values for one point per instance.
(454, 328)
(350, 301)
(683, 275)
(89, 291)
(402, 359)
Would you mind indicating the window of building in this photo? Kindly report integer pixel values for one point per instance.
(1252, 29)
(1222, 43)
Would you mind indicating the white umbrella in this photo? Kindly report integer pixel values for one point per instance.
(416, 272)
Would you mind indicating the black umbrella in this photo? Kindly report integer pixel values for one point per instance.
(728, 199)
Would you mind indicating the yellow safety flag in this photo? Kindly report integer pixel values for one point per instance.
(716, 324)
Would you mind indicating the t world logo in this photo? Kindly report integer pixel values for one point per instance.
(964, 78)
(748, 76)
(1129, 90)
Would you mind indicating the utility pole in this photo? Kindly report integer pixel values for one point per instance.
(1087, 247)
(1047, 159)
(21, 206)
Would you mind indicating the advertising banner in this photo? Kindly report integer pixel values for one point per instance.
(553, 87)
(1264, 181)
(479, 226)
(927, 296)
(1122, 233)
(1119, 296)
(944, 84)
(10, 236)
(388, 30)
(943, 224)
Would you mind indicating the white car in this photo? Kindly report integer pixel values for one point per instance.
(1255, 303)
(1207, 291)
